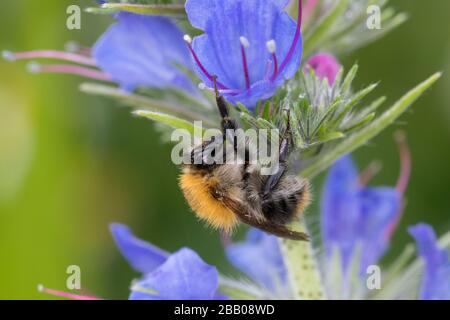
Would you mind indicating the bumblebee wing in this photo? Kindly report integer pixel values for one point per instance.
(248, 218)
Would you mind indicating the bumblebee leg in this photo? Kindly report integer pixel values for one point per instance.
(283, 154)
(228, 124)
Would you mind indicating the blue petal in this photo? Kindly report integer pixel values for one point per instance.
(219, 49)
(259, 91)
(340, 209)
(198, 9)
(436, 278)
(144, 50)
(184, 276)
(380, 209)
(142, 256)
(355, 216)
(259, 257)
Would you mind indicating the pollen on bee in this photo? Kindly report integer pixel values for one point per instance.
(196, 189)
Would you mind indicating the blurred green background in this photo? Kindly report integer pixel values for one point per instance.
(70, 164)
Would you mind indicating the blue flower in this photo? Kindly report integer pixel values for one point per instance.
(251, 46)
(357, 219)
(182, 275)
(259, 257)
(146, 51)
(436, 278)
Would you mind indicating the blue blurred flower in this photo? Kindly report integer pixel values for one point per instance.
(436, 278)
(259, 257)
(181, 275)
(357, 220)
(141, 50)
(251, 46)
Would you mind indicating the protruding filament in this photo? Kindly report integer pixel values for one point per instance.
(244, 45)
(188, 40)
(75, 47)
(405, 162)
(296, 39)
(50, 54)
(370, 172)
(69, 69)
(272, 48)
(67, 295)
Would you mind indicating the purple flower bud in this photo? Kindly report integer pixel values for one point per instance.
(324, 65)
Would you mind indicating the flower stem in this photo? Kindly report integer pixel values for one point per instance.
(303, 272)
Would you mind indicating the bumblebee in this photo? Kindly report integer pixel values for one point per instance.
(225, 194)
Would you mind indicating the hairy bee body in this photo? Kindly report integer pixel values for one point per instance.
(225, 194)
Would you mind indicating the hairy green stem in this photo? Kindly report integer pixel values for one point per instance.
(301, 264)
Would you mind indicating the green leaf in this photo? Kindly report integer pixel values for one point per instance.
(361, 123)
(171, 121)
(143, 102)
(321, 30)
(327, 114)
(242, 108)
(354, 101)
(330, 136)
(149, 9)
(346, 85)
(266, 111)
(361, 137)
(298, 138)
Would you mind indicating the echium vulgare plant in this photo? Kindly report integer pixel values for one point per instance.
(161, 58)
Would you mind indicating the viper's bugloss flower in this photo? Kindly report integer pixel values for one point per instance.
(181, 275)
(145, 51)
(436, 277)
(259, 257)
(325, 66)
(356, 219)
(251, 46)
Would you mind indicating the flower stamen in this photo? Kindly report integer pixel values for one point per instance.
(272, 48)
(49, 54)
(245, 44)
(367, 174)
(405, 162)
(75, 47)
(295, 40)
(187, 38)
(67, 295)
(34, 67)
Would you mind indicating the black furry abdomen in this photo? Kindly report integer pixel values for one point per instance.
(283, 203)
(283, 209)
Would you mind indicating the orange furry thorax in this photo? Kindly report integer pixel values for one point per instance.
(197, 191)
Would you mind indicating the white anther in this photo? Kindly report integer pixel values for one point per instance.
(202, 86)
(244, 42)
(8, 55)
(271, 46)
(72, 46)
(187, 38)
(33, 67)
